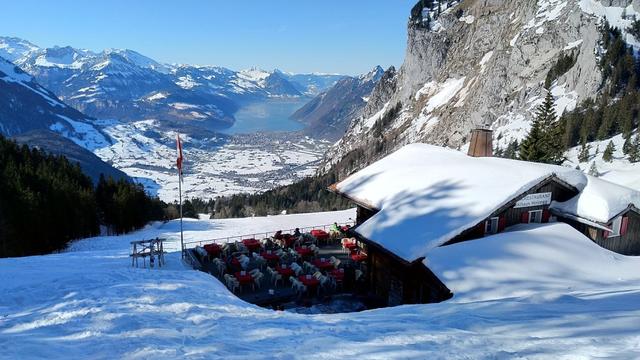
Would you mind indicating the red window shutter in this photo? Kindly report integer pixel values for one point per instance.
(624, 225)
(524, 218)
(546, 215)
(502, 223)
(605, 233)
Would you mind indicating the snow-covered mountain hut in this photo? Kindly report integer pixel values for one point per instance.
(423, 196)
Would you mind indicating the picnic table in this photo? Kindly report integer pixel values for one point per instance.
(270, 256)
(309, 281)
(304, 251)
(285, 271)
(320, 234)
(213, 250)
(358, 257)
(252, 244)
(322, 264)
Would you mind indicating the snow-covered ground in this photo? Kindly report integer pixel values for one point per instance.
(619, 170)
(539, 292)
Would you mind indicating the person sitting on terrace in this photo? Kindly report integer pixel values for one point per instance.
(278, 235)
(297, 233)
(335, 231)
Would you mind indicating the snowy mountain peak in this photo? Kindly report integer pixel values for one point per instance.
(13, 48)
(139, 60)
(61, 57)
(374, 75)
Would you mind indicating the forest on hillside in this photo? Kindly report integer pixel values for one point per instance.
(46, 201)
(614, 111)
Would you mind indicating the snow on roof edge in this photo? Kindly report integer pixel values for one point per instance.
(600, 201)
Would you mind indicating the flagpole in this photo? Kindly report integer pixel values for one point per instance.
(179, 163)
(181, 234)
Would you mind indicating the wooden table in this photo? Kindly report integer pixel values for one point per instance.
(337, 274)
(213, 250)
(244, 279)
(252, 244)
(322, 264)
(286, 272)
(304, 251)
(321, 235)
(309, 281)
(272, 257)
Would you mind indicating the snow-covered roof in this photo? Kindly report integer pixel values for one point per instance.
(599, 201)
(527, 261)
(428, 194)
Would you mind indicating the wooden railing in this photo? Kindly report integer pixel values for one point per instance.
(260, 235)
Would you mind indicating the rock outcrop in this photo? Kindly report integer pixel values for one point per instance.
(483, 62)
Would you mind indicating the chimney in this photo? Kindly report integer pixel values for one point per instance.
(481, 143)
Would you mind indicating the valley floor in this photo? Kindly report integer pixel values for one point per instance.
(88, 302)
(212, 166)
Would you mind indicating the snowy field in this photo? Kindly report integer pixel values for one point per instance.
(540, 292)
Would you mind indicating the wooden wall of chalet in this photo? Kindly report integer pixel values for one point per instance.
(627, 244)
(512, 216)
(395, 281)
(363, 214)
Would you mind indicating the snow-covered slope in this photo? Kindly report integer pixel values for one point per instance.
(124, 84)
(89, 303)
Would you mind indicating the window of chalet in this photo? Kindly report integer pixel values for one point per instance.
(491, 225)
(618, 227)
(535, 216)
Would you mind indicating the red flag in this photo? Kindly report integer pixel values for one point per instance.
(180, 158)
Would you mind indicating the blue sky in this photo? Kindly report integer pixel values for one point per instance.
(342, 36)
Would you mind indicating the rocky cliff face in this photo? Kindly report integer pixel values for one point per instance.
(327, 115)
(484, 62)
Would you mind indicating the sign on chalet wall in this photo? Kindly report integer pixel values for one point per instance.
(534, 200)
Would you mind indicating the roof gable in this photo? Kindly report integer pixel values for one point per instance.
(600, 201)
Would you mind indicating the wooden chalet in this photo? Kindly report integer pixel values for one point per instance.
(422, 197)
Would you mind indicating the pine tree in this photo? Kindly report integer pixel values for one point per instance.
(626, 147)
(608, 152)
(634, 150)
(544, 141)
(583, 156)
(511, 152)
(593, 170)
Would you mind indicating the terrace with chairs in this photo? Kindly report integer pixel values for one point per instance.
(288, 269)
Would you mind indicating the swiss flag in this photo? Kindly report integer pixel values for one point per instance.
(180, 158)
